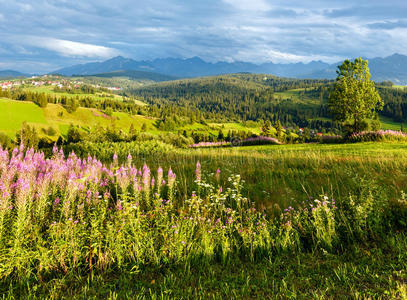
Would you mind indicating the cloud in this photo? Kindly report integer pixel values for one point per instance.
(388, 25)
(74, 49)
(250, 5)
(369, 12)
(65, 32)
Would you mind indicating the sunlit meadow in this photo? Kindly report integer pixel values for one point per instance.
(67, 215)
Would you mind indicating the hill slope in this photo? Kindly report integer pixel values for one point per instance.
(12, 74)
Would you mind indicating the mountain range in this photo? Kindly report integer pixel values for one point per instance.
(11, 74)
(393, 68)
(191, 67)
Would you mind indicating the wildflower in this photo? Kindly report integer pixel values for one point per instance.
(119, 205)
(171, 178)
(217, 175)
(56, 201)
(198, 171)
(183, 242)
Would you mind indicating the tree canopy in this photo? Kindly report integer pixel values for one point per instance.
(354, 97)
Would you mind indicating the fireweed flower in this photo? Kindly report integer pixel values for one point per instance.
(159, 178)
(198, 171)
(171, 178)
(217, 175)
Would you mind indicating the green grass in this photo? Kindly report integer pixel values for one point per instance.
(372, 271)
(14, 113)
(296, 96)
(56, 116)
(97, 96)
(389, 124)
(225, 127)
(286, 175)
(371, 264)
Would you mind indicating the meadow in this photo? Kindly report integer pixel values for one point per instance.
(282, 221)
(14, 113)
(144, 216)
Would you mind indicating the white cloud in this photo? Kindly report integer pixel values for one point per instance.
(74, 49)
(252, 5)
(267, 54)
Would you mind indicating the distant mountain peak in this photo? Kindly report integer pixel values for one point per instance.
(393, 67)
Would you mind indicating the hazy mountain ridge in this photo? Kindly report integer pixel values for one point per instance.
(11, 74)
(142, 75)
(191, 67)
(392, 68)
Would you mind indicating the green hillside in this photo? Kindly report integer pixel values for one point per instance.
(14, 113)
(293, 102)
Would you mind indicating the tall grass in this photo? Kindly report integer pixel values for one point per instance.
(64, 215)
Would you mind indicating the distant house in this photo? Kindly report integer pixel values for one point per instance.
(114, 88)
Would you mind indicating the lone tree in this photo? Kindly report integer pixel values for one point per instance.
(354, 97)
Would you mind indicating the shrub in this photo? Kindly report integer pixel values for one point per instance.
(331, 139)
(209, 144)
(106, 150)
(5, 141)
(260, 140)
(374, 136)
(51, 131)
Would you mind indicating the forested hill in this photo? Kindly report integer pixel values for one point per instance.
(253, 97)
(241, 97)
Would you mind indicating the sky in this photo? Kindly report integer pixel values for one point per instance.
(45, 35)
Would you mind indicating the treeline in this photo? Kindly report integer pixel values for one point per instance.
(73, 103)
(395, 103)
(82, 89)
(240, 97)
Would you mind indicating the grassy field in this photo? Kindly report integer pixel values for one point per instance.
(97, 96)
(14, 113)
(56, 116)
(388, 123)
(368, 259)
(285, 175)
(297, 96)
